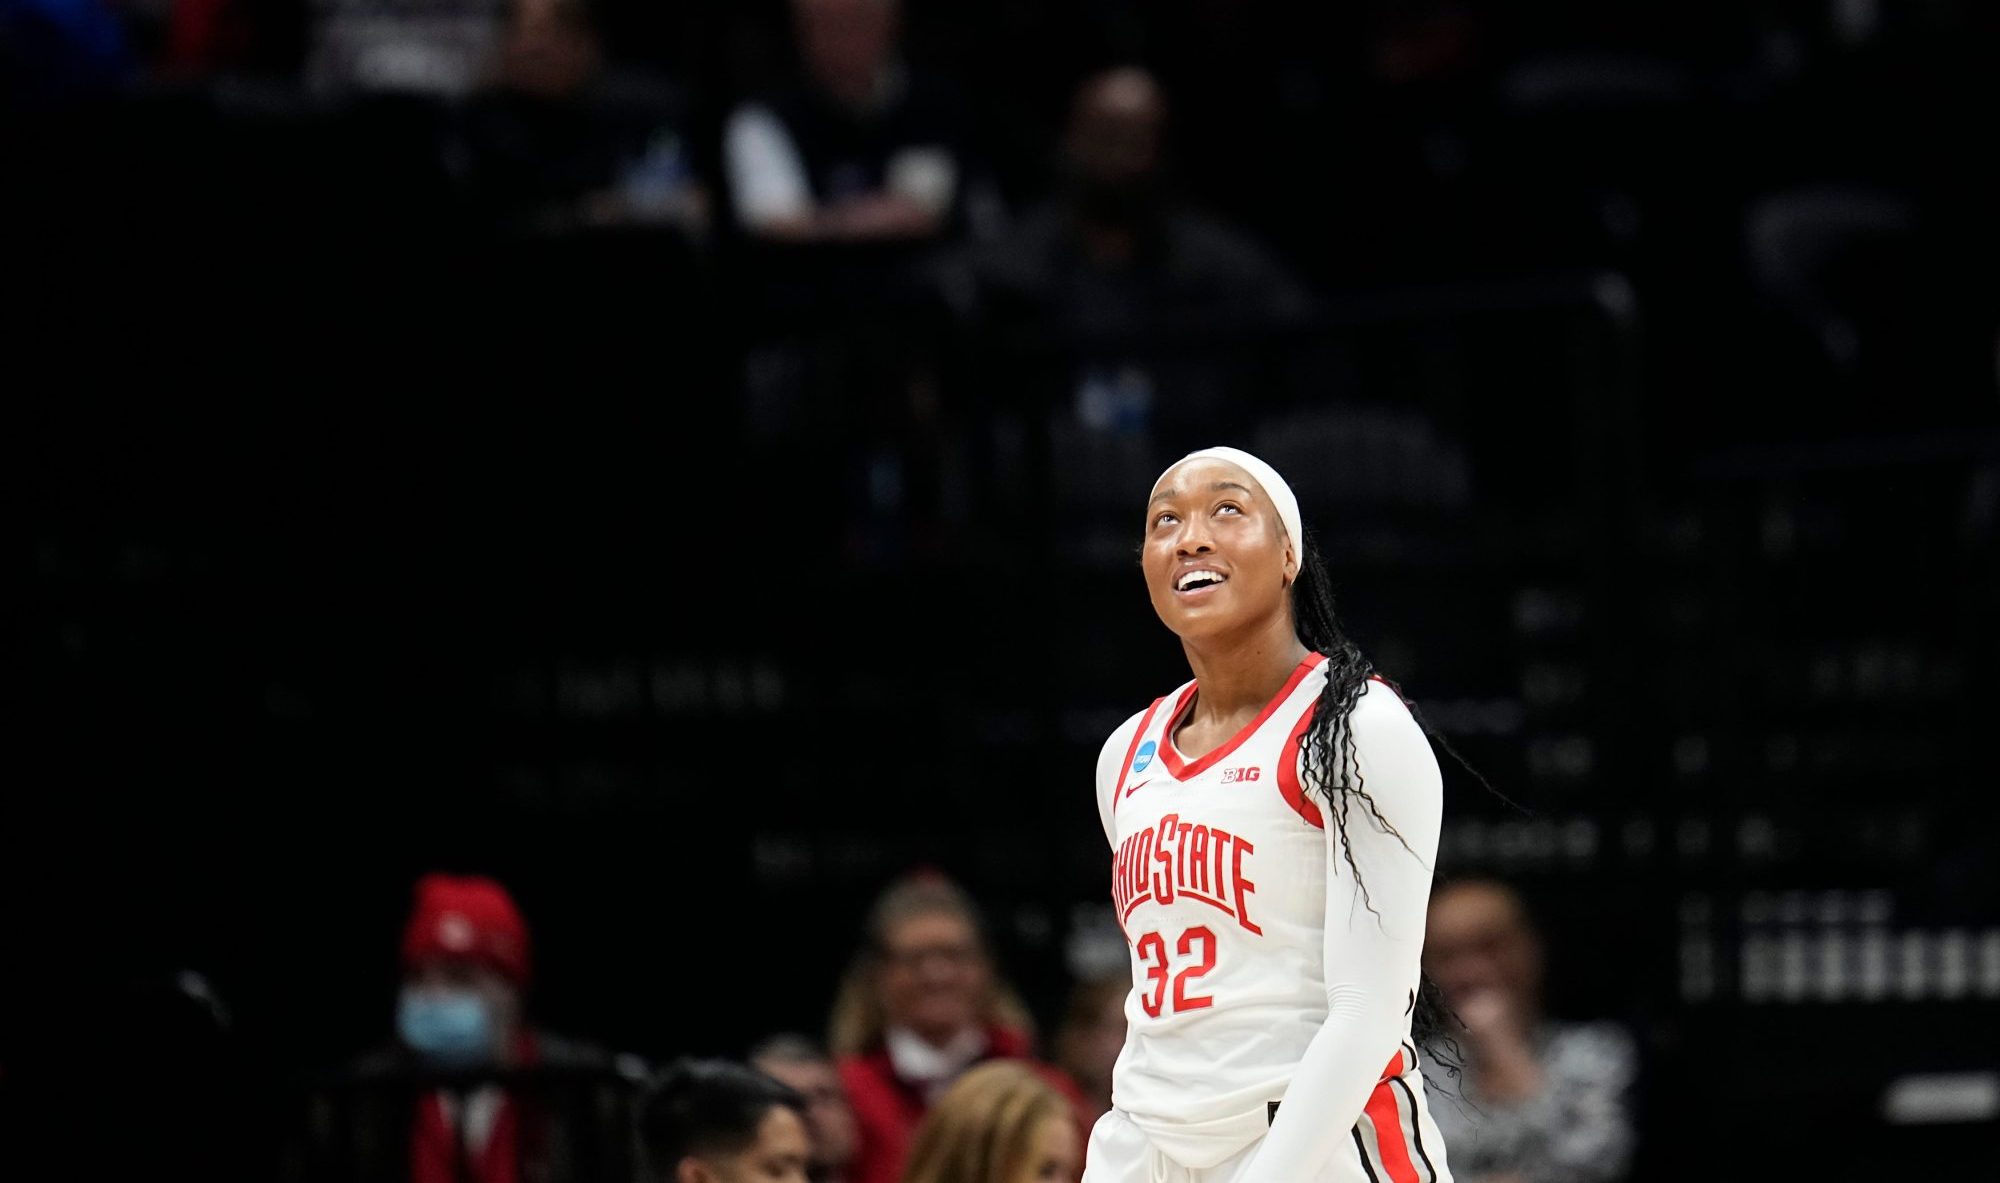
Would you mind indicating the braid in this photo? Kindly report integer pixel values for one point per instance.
(1327, 756)
(1330, 765)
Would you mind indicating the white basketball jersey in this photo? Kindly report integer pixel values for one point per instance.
(1219, 880)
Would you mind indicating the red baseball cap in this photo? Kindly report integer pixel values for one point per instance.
(467, 916)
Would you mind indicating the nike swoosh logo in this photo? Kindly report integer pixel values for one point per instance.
(1135, 788)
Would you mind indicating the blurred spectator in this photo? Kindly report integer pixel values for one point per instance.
(556, 140)
(470, 1092)
(1541, 1101)
(1092, 1035)
(435, 48)
(849, 176)
(1001, 1123)
(803, 1066)
(1132, 290)
(712, 1121)
(919, 1007)
(867, 149)
(1115, 251)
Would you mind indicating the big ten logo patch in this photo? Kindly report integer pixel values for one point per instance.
(1232, 776)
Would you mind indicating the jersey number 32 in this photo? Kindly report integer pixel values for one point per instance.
(1152, 949)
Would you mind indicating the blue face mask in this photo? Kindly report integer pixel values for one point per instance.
(449, 1027)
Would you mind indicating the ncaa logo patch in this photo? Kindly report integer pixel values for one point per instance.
(1144, 756)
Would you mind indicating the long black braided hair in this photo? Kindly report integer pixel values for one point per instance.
(1331, 768)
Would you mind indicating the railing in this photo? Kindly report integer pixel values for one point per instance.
(559, 1124)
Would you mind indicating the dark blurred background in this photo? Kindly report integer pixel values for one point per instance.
(446, 436)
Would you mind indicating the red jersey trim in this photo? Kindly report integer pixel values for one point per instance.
(1125, 769)
(1391, 1134)
(1288, 764)
(1288, 773)
(1181, 770)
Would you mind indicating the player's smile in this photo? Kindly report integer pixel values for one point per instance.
(1199, 581)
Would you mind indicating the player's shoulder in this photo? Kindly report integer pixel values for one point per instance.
(1384, 727)
(1381, 704)
(1112, 753)
(1114, 747)
(1126, 730)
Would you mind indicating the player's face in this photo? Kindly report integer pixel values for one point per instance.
(1215, 555)
(1054, 1155)
(777, 1156)
(934, 975)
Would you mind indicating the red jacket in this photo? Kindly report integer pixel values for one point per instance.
(435, 1147)
(888, 1110)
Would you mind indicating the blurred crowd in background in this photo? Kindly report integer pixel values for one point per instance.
(930, 1069)
(1101, 171)
(680, 460)
(935, 254)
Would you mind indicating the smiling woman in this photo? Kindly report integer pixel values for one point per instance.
(920, 1007)
(1272, 878)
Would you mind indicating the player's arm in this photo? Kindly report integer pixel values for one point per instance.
(1374, 945)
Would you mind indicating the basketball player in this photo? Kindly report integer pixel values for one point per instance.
(1273, 823)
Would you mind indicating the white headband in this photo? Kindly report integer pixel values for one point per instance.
(1274, 485)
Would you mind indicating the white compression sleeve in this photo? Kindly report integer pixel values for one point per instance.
(1372, 958)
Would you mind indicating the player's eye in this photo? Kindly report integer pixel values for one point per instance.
(1230, 507)
(1165, 517)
